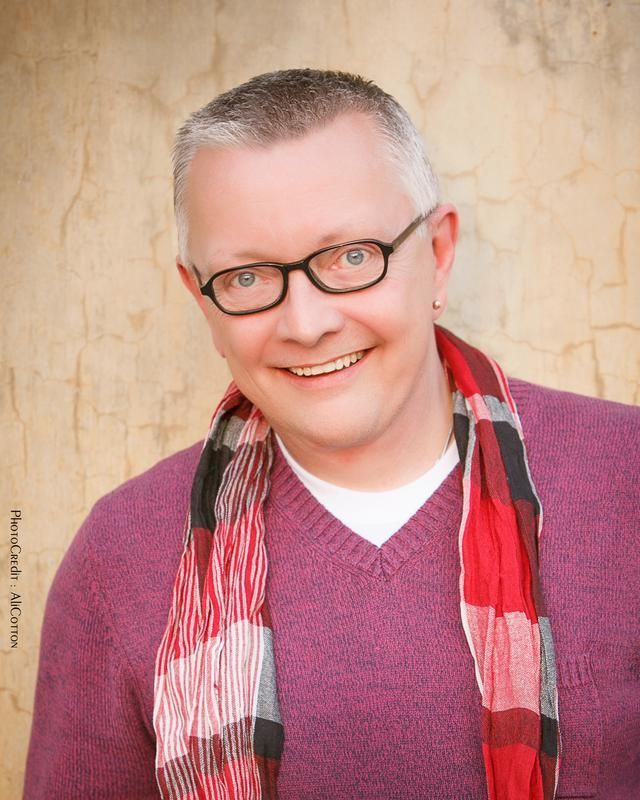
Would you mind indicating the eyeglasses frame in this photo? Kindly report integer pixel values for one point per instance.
(387, 248)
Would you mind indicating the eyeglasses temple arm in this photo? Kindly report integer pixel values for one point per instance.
(408, 231)
(197, 275)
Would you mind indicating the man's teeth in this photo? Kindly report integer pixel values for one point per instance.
(331, 366)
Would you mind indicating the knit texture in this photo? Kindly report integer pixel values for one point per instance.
(362, 709)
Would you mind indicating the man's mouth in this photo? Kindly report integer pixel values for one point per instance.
(343, 362)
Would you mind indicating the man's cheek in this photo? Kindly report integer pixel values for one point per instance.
(218, 339)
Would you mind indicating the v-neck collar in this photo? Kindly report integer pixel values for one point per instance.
(439, 516)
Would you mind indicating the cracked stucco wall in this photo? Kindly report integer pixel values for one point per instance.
(532, 115)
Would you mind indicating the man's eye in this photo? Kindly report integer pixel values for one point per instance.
(353, 258)
(244, 279)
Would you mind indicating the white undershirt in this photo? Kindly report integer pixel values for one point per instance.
(375, 516)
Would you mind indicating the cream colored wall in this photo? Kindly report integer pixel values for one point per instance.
(532, 115)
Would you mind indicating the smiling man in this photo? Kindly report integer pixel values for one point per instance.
(372, 383)
(360, 607)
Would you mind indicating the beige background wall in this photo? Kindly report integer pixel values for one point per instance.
(532, 113)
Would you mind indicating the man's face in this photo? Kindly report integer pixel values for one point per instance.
(282, 202)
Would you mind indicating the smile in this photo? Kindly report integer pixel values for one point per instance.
(330, 366)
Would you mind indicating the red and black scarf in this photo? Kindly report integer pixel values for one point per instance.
(219, 732)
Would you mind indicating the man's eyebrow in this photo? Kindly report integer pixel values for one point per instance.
(238, 258)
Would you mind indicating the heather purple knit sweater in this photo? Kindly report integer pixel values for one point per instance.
(375, 678)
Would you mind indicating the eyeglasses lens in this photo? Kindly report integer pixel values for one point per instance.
(248, 288)
(348, 267)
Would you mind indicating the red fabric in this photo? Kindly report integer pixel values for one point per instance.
(501, 596)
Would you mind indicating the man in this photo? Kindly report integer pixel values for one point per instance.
(358, 609)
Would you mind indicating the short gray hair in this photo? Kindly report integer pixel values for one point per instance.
(290, 103)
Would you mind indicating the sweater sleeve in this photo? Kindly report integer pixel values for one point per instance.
(89, 737)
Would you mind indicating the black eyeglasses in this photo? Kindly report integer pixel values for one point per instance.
(337, 269)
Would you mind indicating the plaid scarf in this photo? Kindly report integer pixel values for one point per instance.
(219, 732)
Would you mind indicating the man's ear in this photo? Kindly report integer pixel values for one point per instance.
(189, 281)
(192, 285)
(444, 236)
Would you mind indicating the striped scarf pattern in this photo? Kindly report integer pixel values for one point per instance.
(502, 607)
(218, 727)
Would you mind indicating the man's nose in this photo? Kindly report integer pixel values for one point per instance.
(307, 313)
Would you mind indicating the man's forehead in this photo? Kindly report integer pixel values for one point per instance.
(330, 185)
(347, 135)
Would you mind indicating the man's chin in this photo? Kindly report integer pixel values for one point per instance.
(348, 435)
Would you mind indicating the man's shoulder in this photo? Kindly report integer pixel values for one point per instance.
(582, 445)
(142, 519)
(158, 488)
(543, 408)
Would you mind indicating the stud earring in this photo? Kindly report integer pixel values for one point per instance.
(437, 305)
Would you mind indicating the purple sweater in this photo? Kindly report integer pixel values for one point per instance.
(375, 679)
